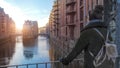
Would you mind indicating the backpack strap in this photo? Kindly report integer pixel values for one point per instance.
(101, 53)
(99, 33)
(101, 36)
(105, 39)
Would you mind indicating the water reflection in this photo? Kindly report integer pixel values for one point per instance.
(30, 48)
(25, 52)
(6, 51)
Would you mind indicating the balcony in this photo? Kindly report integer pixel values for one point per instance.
(56, 22)
(70, 2)
(56, 5)
(71, 24)
(56, 18)
(71, 12)
(56, 9)
(56, 14)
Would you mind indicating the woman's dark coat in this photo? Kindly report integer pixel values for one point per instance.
(89, 40)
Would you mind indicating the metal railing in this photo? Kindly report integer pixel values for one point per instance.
(27, 65)
(36, 65)
(79, 61)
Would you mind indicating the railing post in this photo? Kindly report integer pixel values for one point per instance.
(45, 65)
(27, 65)
(36, 65)
(16, 66)
(62, 66)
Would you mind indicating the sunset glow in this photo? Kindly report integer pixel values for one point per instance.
(19, 15)
(19, 26)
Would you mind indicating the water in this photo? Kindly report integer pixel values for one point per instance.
(16, 52)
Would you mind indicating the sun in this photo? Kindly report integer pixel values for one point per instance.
(19, 26)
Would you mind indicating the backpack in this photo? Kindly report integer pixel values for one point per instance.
(107, 54)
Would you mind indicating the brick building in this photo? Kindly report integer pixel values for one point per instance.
(65, 23)
(30, 29)
(7, 25)
(51, 23)
(2, 22)
(68, 17)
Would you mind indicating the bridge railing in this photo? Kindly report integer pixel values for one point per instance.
(36, 65)
(28, 65)
(49, 64)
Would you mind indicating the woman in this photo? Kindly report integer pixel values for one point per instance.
(89, 39)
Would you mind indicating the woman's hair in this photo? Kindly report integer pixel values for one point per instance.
(97, 13)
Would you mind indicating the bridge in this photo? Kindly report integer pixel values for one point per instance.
(52, 63)
(43, 34)
(42, 63)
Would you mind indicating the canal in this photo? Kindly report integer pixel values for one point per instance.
(33, 51)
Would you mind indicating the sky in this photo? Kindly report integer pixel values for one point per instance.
(21, 10)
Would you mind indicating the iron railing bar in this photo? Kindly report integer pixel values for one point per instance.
(50, 62)
(27, 65)
(45, 65)
(36, 65)
(62, 66)
(30, 64)
(16, 66)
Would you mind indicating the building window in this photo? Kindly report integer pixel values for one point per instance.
(71, 7)
(92, 4)
(66, 19)
(72, 33)
(97, 2)
(81, 2)
(72, 18)
(81, 26)
(88, 5)
(81, 14)
(66, 31)
(2, 26)
(3, 30)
